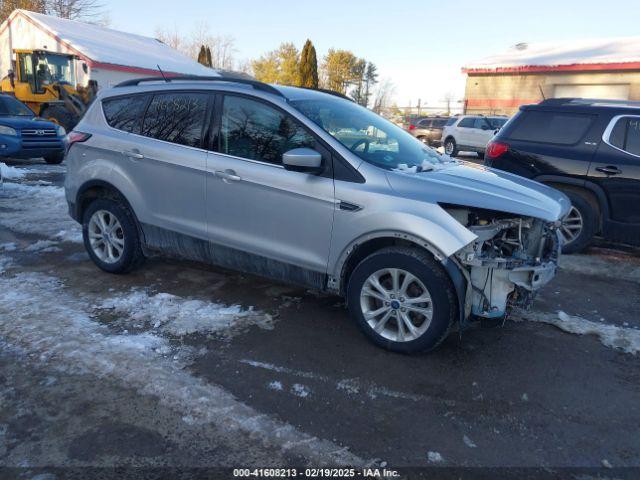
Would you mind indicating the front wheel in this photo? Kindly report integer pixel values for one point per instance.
(111, 237)
(402, 299)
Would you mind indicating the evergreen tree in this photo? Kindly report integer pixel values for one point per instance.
(370, 79)
(308, 66)
(209, 59)
(202, 56)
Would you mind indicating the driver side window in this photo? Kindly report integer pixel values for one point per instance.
(253, 130)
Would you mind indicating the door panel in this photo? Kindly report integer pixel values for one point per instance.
(616, 168)
(253, 203)
(166, 163)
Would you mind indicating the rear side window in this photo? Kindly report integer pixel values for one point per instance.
(125, 113)
(626, 135)
(551, 127)
(424, 123)
(439, 123)
(253, 130)
(467, 122)
(176, 118)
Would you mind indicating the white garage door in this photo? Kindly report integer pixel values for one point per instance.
(609, 92)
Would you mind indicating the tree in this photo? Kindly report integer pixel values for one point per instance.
(202, 56)
(8, 6)
(280, 66)
(357, 75)
(209, 60)
(383, 95)
(267, 67)
(308, 66)
(338, 69)
(86, 10)
(370, 79)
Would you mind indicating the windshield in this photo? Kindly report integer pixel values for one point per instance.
(50, 68)
(369, 136)
(9, 106)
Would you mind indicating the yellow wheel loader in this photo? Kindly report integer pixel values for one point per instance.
(46, 82)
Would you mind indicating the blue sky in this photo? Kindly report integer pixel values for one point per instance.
(419, 45)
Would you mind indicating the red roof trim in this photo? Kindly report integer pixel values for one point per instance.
(576, 67)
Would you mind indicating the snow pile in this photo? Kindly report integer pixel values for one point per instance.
(179, 316)
(45, 246)
(620, 338)
(5, 262)
(8, 247)
(59, 331)
(435, 457)
(38, 210)
(106, 45)
(586, 51)
(12, 172)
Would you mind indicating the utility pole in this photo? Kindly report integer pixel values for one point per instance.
(419, 107)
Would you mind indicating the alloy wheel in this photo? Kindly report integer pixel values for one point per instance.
(396, 304)
(572, 225)
(448, 148)
(106, 236)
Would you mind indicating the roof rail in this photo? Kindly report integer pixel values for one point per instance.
(265, 87)
(589, 101)
(330, 92)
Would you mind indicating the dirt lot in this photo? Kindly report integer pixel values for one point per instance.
(181, 364)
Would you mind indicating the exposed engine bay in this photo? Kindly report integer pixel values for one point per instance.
(509, 261)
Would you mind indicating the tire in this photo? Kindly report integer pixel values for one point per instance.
(450, 147)
(125, 238)
(54, 159)
(424, 140)
(583, 210)
(60, 115)
(429, 274)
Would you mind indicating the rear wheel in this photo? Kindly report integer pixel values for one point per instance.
(61, 115)
(402, 299)
(111, 236)
(450, 147)
(580, 224)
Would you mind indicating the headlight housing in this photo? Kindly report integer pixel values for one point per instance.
(61, 131)
(4, 130)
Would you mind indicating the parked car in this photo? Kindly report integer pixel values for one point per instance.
(428, 130)
(470, 133)
(271, 180)
(590, 150)
(23, 135)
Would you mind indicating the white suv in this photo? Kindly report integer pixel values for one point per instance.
(470, 133)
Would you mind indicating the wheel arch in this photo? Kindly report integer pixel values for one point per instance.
(98, 189)
(592, 192)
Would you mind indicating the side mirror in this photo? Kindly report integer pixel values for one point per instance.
(12, 78)
(302, 160)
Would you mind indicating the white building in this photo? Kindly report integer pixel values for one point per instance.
(103, 54)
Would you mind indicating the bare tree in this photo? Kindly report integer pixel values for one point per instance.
(222, 46)
(86, 10)
(384, 95)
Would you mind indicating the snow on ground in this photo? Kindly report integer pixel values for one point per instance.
(618, 269)
(180, 316)
(5, 262)
(12, 172)
(435, 457)
(620, 338)
(58, 330)
(38, 209)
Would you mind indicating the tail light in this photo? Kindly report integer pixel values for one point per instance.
(496, 149)
(412, 127)
(76, 137)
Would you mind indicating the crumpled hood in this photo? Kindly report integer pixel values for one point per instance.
(472, 185)
(25, 122)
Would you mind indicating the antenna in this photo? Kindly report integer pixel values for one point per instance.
(162, 73)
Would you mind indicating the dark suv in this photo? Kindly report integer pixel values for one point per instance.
(589, 149)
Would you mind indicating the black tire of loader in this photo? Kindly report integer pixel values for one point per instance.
(61, 115)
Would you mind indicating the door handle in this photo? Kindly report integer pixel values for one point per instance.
(228, 176)
(134, 155)
(609, 170)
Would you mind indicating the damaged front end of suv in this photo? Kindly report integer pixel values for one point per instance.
(510, 260)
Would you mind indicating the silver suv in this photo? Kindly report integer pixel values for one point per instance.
(307, 187)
